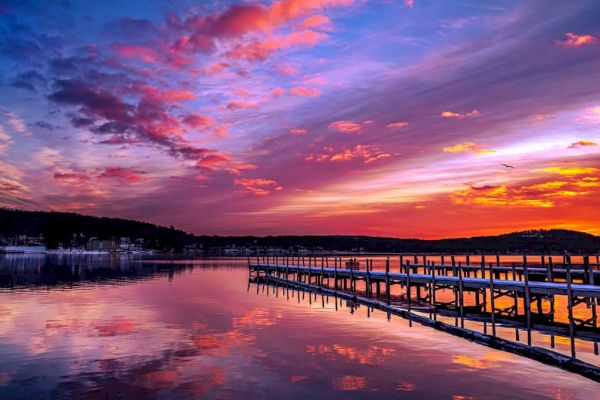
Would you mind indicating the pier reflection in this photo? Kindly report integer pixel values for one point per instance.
(543, 321)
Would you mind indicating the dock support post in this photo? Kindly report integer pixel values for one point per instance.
(368, 281)
(387, 280)
(335, 277)
(527, 300)
(492, 299)
(570, 308)
(461, 295)
(408, 292)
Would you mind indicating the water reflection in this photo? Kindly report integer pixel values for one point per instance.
(190, 329)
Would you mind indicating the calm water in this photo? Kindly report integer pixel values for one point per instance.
(106, 328)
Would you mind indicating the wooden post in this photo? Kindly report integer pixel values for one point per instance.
(408, 292)
(352, 287)
(433, 293)
(492, 299)
(527, 300)
(322, 272)
(570, 308)
(387, 280)
(335, 278)
(401, 262)
(453, 261)
(587, 270)
(368, 281)
(461, 294)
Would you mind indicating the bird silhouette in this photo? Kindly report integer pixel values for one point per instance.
(507, 166)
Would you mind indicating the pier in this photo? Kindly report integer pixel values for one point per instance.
(556, 297)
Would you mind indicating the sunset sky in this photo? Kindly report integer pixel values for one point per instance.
(387, 118)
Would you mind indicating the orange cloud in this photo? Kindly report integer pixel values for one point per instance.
(498, 196)
(366, 153)
(302, 91)
(467, 147)
(568, 171)
(451, 114)
(574, 40)
(258, 187)
(397, 125)
(582, 143)
(346, 126)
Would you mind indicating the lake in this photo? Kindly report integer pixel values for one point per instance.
(104, 327)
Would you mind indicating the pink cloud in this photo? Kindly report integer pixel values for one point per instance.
(278, 92)
(316, 21)
(71, 176)
(298, 131)
(257, 50)
(397, 125)
(288, 70)
(302, 91)
(144, 53)
(167, 95)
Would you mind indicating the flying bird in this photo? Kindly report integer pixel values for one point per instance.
(507, 166)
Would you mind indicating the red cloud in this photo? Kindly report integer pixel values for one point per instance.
(126, 174)
(573, 40)
(213, 161)
(198, 121)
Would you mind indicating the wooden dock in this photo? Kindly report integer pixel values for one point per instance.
(524, 285)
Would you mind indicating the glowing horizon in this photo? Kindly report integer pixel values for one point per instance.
(381, 118)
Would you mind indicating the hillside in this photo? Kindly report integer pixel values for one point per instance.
(70, 229)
